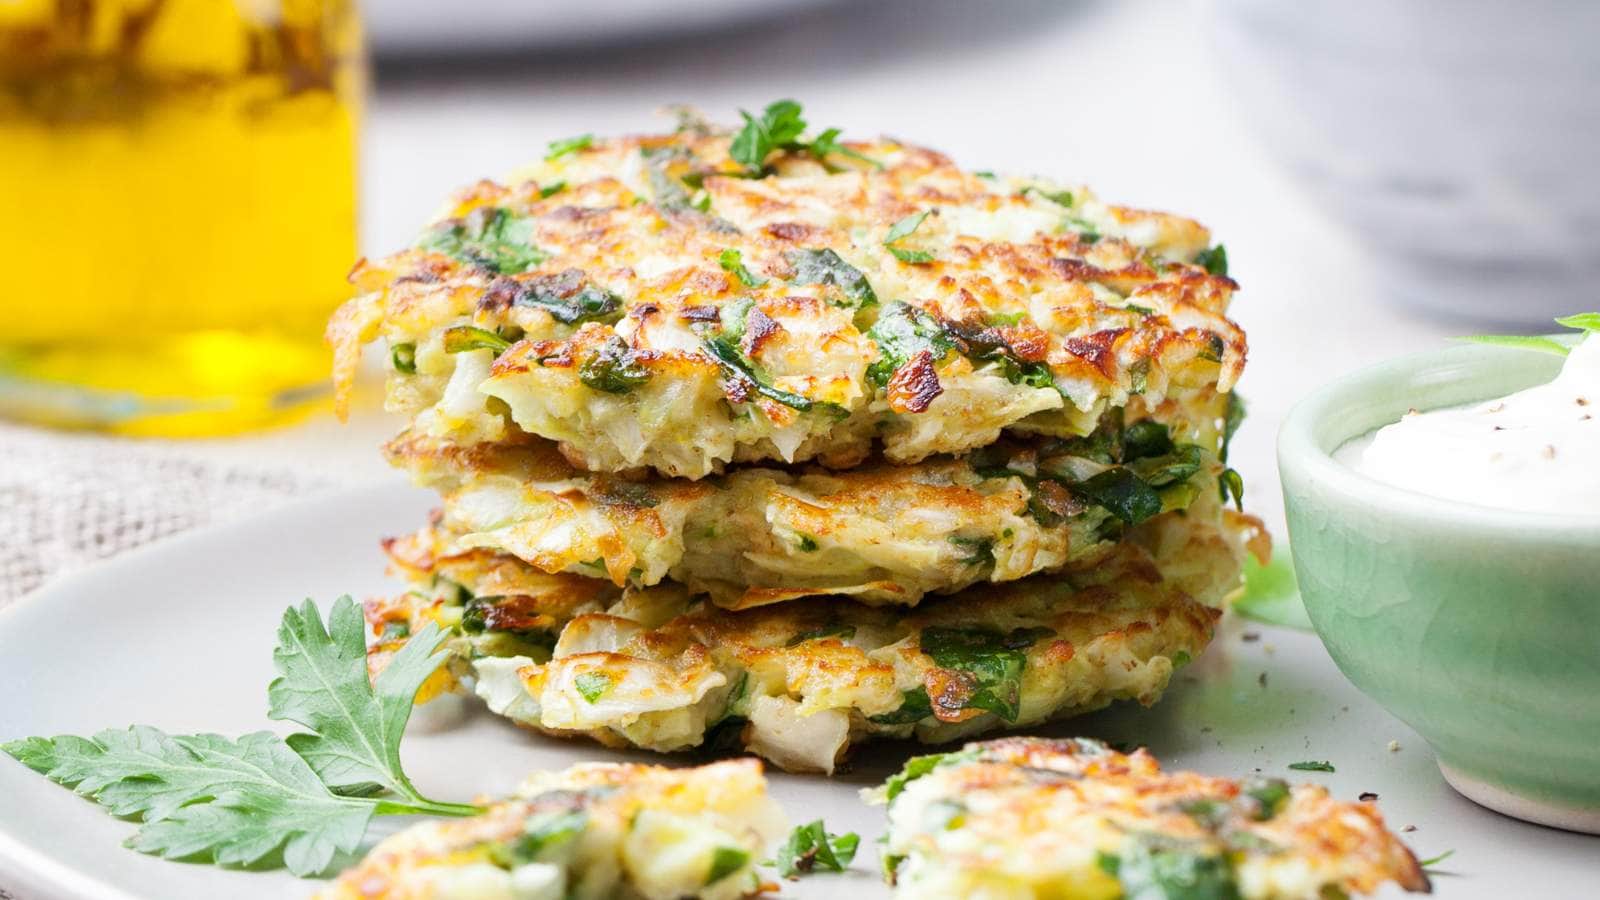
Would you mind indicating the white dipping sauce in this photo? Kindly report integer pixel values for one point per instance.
(1537, 450)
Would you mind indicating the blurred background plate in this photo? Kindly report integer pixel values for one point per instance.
(427, 27)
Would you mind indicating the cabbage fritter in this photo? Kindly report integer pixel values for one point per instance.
(595, 831)
(1075, 820)
(651, 301)
(799, 682)
(880, 534)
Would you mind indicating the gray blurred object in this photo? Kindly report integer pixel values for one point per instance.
(1459, 138)
(433, 28)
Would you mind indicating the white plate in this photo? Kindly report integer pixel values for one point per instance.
(179, 635)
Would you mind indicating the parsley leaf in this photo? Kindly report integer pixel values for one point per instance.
(1231, 485)
(918, 766)
(542, 831)
(1126, 495)
(1060, 198)
(323, 685)
(614, 368)
(1213, 260)
(1147, 869)
(725, 861)
(827, 144)
(778, 125)
(247, 800)
(903, 229)
(993, 660)
(1231, 420)
(1268, 795)
(823, 266)
(489, 237)
(914, 707)
(842, 632)
(569, 297)
(724, 350)
(565, 146)
(462, 338)
(902, 332)
(732, 262)
(810, 848)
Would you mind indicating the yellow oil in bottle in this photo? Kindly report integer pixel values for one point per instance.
(177, 208)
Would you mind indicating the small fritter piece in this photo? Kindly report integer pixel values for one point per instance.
(880, 534)
(800, 682)
(595, 831)
(647, 301)
(1075, 820)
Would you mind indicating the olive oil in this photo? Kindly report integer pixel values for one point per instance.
(177, 208)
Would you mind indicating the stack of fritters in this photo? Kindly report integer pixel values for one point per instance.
(850, 443)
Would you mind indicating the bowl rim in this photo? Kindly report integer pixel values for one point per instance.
(1299, 449)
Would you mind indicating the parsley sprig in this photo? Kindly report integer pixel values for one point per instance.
(810, 848)
(781, 126)
(261, 799)
(1587, 323)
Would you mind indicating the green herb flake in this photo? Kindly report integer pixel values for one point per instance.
(465, 338)
(614, 368)
(827, 144)
(724, 350)
(489, 237)
(978, 551)
(901, 334)
(808, 544)
(569, 299)
(1312, 766)
(825, 267)
(404, 358)
(1231, 484)
(1232, 418)
(1122, 493)
(914, 707)
(1148, 870)
(810, 848)
(1060, 198)
(566, 146)
(1213, 260)
(842, 632)
(544, 834)
(993, 660)
(905, 227)
(918, 766)
(725, 861)
(732, 262)
(592, 685)
(1268, 795)
(550, 190)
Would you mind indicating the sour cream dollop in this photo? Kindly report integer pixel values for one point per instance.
(1537, 450)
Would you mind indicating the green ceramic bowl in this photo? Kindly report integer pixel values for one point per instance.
(1478, 628)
